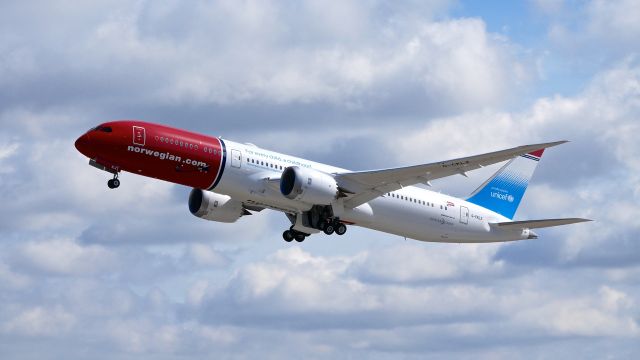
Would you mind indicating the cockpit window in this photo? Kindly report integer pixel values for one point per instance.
(102, 128)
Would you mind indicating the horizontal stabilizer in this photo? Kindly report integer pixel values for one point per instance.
(537, 224)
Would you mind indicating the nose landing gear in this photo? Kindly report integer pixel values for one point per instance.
(113, 183)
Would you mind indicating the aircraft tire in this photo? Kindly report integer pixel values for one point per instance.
(287, 235)
(341, 229)
(329, 229)
(300, 237)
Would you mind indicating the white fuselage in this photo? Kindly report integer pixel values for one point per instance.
(410, 212)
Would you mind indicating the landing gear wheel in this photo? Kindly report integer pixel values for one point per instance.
(329, 229)
(287, 235)
(341, 229)
(300, 237)
(113, 183)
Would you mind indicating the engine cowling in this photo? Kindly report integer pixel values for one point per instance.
(309, 186)
(215, 207)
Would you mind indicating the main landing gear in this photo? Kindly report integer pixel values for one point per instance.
(113, 183)
(290, 235)
(330, 226)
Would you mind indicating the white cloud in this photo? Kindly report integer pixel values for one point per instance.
(595, 32)
(609, 315)
(40, 321)
(365, 54)
(614, 20)
(65, 257)
(6, 152)
(416, 262)
(205, 256)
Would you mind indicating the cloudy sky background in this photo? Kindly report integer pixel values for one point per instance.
(88, 272)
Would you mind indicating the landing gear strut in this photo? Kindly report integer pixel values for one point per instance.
(113, 183)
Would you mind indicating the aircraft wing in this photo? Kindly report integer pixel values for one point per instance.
(537, 224)
(364, 186)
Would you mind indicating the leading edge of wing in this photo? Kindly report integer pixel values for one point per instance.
(463, 163)
(370, 184)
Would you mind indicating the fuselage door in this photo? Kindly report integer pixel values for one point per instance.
(236, 158)
(464, 215)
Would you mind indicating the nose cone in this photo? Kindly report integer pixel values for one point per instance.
(82, 144)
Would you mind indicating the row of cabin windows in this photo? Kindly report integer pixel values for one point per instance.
(176, 142)
(267, 164)
(413, 200)
(184, 144)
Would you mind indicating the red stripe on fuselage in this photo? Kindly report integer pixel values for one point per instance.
(167, 153)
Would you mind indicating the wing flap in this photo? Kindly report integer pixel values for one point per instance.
(537, 224)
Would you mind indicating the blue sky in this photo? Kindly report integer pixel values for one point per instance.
(88, 272)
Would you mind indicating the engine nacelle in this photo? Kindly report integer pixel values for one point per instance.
(309, 186)
(215, 207)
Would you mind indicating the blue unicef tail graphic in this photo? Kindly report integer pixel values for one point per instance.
(503, 192)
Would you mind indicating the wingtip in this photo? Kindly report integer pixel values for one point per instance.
(556, 143)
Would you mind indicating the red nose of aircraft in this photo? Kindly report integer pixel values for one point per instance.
(82, 144)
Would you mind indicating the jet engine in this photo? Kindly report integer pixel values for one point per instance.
(215, 207)
(309, 186)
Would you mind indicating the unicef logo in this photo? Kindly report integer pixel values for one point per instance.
(510, 198)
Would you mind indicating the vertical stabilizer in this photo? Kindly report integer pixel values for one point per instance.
(503, 192)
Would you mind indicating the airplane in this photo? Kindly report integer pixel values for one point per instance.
(230, 180)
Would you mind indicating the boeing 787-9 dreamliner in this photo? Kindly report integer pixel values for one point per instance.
(231, 180)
